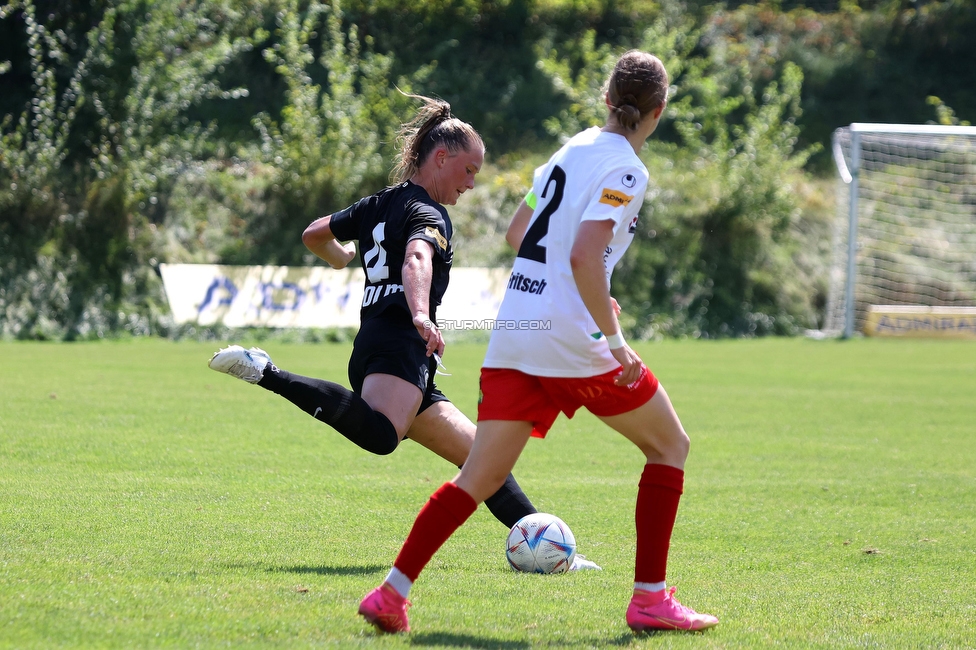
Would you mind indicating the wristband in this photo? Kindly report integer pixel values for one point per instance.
(615, 340)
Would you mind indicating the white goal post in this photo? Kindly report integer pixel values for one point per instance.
(906, 227)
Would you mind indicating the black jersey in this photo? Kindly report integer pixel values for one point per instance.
(384, 223)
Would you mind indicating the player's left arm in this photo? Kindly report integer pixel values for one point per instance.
(319, 239)
(417, 274)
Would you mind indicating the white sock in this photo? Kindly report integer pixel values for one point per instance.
(650, 586)
(399, 581)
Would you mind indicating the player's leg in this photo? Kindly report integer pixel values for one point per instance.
(348, 413)
(390, 368)
(394, 397)
(446, 431)
(496, 448)
(375, 421)
(656, 430)
(388, 372)
(504, 426)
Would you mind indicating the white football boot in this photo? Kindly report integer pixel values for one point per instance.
(580, 563)
(244, 364)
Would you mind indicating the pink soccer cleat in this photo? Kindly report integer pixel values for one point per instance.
(386, 609)
(649, 613)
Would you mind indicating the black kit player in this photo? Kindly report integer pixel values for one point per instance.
(404, 235)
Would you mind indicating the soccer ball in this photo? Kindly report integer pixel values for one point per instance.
(541, 543)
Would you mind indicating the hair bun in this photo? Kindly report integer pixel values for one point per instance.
(445, 111)
(628, 115)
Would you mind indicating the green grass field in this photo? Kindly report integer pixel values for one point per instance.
(146, 501)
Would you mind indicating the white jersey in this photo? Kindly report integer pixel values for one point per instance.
(543, 328)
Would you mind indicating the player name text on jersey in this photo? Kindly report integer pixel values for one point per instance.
(374, 293)
(525, 284)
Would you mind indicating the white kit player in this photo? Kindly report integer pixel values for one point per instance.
(557, 347)
(544, 326)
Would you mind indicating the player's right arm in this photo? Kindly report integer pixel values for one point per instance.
(520, 223)
(417, 273)
(319, 239)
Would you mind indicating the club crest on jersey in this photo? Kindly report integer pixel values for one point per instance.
(615, 198)
(628, 181)
(436, 235)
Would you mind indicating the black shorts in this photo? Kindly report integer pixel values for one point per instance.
(391, 345)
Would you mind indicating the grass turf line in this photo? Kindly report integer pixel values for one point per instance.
(146, 501)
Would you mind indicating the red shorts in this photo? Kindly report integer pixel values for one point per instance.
(508, 394)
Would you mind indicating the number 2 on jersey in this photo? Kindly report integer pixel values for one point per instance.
(531, 249)
(379, 270)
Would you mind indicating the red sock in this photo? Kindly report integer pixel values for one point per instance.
(657, 506)
(443, 513)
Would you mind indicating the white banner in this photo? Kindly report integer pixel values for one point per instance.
(313, 296)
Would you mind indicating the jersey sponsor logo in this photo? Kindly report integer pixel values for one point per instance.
(615, 198)
(436, 235)
(628, 181)
(525, 284)
(372, 294)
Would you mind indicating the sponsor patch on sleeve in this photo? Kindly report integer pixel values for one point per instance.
(615, 198)
(436, 235)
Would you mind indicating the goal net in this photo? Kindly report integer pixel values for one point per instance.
(906, 227)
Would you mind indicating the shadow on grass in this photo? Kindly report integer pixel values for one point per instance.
(362, 570)
(464, 641)
(622, 639)
(469, 641)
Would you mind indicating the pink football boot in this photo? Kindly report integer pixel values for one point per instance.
(647, 612)
(386, 609)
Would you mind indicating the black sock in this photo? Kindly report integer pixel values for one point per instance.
(337, 406)
(509, 503)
